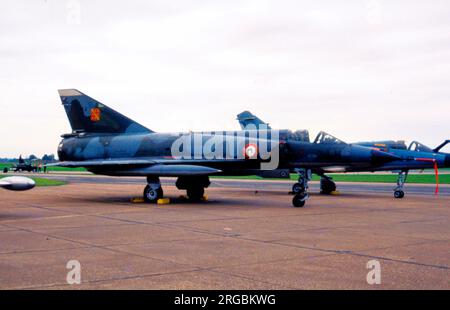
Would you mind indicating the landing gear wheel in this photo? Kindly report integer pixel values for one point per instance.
(300, 189)
(327, 186)
(398, 191)
(152, 194)
(5, 170)
(399, 194)
(195, 193)
(299, 200)
(297, 188)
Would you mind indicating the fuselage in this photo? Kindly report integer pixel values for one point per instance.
(224, 150)
(413, 160)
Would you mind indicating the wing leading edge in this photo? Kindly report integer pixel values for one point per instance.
(142, 167)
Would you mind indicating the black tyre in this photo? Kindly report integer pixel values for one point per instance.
(152, 195)
(5, 170)
(327, 186)
(399, 194)
(298, 201)
(195, 193)
(297, 188)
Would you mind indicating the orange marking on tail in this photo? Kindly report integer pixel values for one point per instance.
(95, 114)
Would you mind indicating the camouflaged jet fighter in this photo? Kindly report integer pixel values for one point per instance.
(109, 143)
(21, 166)
(415, 157)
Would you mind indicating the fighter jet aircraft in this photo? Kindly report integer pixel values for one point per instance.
(109, 143)
(415, 157)
(422, 157)
(16, 183)
(21, 166)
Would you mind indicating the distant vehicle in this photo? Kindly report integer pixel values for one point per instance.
(16, 183)
(21, 166)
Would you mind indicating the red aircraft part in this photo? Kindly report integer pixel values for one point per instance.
(436, 171)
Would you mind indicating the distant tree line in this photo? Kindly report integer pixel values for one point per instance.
(46, 158)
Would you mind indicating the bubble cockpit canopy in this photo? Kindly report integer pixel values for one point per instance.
(419, 147)
(325, 138)
(303, 136)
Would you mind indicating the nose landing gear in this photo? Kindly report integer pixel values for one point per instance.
(398, 191)
(300, 189)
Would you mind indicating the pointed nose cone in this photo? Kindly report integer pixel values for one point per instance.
(379, 157)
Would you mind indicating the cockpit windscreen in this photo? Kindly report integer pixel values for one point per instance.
(419, 147)
(325, 138)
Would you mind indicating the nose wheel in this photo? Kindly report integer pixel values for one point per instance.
(399, 194)
(398, 191)
(297, 188)
(300, 189)
(299, 200)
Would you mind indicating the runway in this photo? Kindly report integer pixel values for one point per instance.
(246, 236)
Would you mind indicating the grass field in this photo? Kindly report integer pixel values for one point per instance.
(42, 181)
(65, 169)
(48, 182)
(8, 165)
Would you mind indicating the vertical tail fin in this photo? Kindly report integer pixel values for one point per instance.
(441, 146)
(85, 114)
(247, 118)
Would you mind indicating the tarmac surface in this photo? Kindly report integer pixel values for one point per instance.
(242, 237)
(420, 189)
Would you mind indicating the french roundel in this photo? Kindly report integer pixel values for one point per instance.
(251, 151)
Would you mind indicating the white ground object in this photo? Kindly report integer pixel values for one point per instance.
(16, 183)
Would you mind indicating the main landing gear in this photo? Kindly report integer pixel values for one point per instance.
(327, 186)
(194, 186)
(398, 191)
(153, 191)
(300, 189)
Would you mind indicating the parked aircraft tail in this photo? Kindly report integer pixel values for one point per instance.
(437, 149)
(88, 115)
(247, 118)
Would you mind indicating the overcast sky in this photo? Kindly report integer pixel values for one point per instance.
(361, 70)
